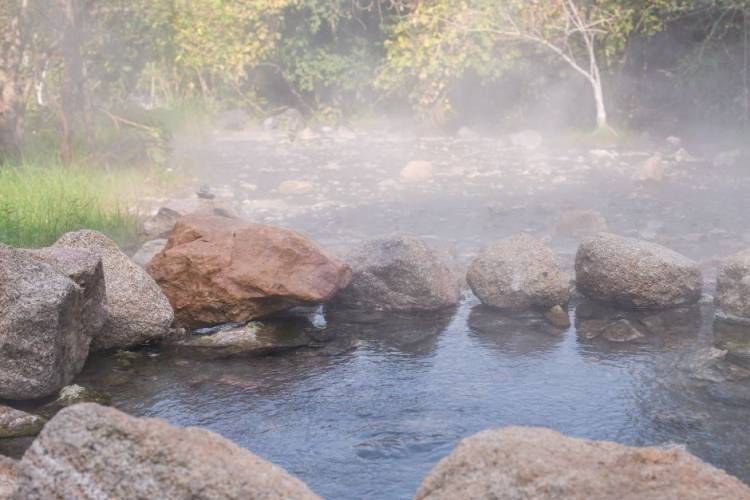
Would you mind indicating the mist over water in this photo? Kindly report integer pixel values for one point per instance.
(441, 120)
(372, 409)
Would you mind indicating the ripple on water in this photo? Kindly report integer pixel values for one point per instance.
(370, 413)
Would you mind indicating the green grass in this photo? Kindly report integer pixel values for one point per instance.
(40, 203)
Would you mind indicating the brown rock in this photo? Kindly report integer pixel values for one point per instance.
(518, 463)
(89, 451)
(217, 270)
(7, 477)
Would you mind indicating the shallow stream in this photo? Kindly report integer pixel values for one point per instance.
(370, 409)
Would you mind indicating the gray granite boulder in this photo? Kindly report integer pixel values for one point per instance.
(518, 273)
(398, 273)
(85, 269)
(91, 451)
(43, 343)
(733, 287)
(636, 274)
(138, 310)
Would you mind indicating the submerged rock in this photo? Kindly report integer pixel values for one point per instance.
(399, 273)
(735, 340)
(580, 223)
(733, 286)
(71, 395)
(138, 310)
(536, 463)
(635, 273)
(43, 342)
(517, 274)
(252, 339)
(416, 171)
(296, 187)
(217, 270)
(558, 317)
(519, 334)
(16, 423)
(526, 139)
(664, 327)
(90, 451)
(652, 170)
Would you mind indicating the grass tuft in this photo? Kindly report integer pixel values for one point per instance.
(40, 203)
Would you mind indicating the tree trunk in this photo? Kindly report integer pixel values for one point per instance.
(601, 109)
(11, 73)
(73, 98)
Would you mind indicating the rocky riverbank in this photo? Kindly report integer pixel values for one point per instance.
(216, 288)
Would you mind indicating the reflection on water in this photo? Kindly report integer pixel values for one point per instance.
(369, 409)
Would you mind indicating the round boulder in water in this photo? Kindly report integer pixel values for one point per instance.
(733, 286)
(517, 274)
(527, 462)
(635, 273)
(399, 273)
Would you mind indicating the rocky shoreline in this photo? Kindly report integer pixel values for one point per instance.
(84, 295)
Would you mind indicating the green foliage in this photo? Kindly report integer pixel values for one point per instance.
(434, 47)
(332, 58)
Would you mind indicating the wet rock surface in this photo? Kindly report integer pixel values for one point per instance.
(43, 341)
(733, 286)
(217, 270)
(517, 274)
(137, 309)
(93, 451)
(253, 339)
(71, 395)
(16, 423)
(636, 274)
(399, 273)
(526, 462)
(670, 327)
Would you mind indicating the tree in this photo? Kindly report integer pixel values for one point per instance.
(74, 106)
(568, 30)
(12, 45)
